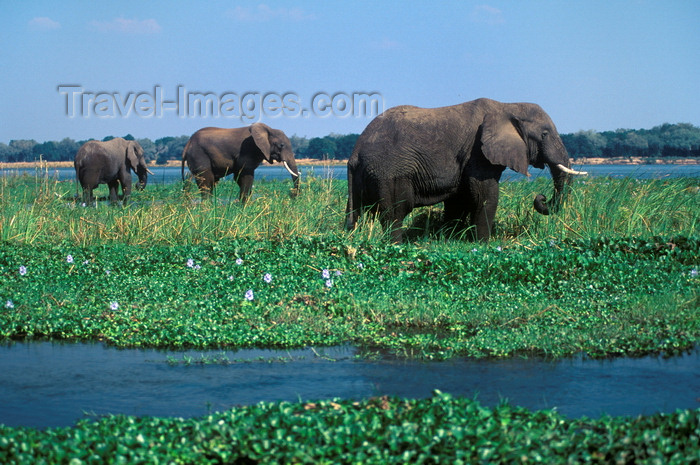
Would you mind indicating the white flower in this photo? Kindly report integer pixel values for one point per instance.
(694, 273)
(267, 278)
(69, 259)
(499, 249)
(86, 262)
(475, 249)
(239, 261)
(325, 274)
(361, 266)
(190, 263)
(107, 272)
(329, 283)
(249, 295)
(230, 278)
(114, 306)
(9, 304)
(22, 270)
(338, 273)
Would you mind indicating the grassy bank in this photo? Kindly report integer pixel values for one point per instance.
(615, 273)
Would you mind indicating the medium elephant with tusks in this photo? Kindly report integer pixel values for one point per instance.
(110, 163)
(214, 153)
(410, 157)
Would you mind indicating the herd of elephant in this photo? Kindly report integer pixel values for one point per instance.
(407, 157)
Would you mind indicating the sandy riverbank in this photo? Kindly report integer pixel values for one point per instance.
(312, 162)
(170, 163)
(636, 161)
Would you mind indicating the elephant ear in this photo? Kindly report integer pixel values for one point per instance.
(261, 136)
(502, 143)
(131, 155)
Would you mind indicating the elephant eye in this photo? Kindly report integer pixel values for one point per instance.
(545, 134)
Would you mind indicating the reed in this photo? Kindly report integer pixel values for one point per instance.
(37, 210)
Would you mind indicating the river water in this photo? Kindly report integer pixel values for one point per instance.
(48, 384)
(165, 175)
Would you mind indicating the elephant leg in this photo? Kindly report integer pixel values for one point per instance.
(126, 191)
(245, 183)
(88, 198)
(394, 205)
(113, 190)
(205, 183)
(483, 202)
(456, 212)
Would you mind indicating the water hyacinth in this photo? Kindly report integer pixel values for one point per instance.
(329, 283)
(190, 263)
(9, 304)
(69, 259)
(114, 306)
(22, 270)
(325, 274)
(694, 273)
(249, 295)
(239, 261)
(267, 278)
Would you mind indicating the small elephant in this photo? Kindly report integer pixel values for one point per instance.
(411, 157)
(214, 153)
(110, 163)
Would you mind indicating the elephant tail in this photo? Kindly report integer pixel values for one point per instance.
(184, 158)
(351, 214)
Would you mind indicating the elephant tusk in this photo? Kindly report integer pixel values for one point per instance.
(149, 172)
(296, 175)
(570, 171)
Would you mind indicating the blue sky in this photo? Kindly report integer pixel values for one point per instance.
(599, 65)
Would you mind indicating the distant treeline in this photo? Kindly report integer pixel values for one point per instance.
(668, 140)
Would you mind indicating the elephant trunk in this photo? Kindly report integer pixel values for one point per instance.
(561, 177)
(291, 166)
(142, 173)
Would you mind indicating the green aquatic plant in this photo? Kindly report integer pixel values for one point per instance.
(383, 430)
(434, 301)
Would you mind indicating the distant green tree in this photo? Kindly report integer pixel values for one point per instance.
(68, 148)
(344, 145)
(23, 149)
(7, 153)
(584, 144)
(299, 144)
(170, 148)
(321, 148)
(149, 148)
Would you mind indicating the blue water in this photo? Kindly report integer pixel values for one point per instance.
(47, 384)
(164, 175)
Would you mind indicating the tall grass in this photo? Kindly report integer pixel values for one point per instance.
(38, 210)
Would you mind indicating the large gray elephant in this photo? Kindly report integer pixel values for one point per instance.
(411, 157)
(214, 153)
(110, 163)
